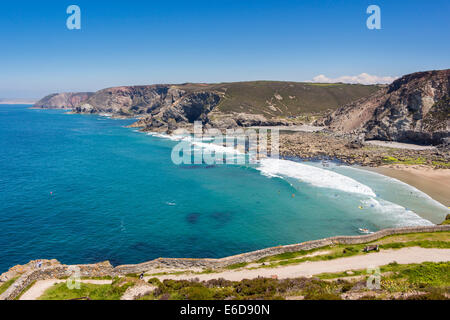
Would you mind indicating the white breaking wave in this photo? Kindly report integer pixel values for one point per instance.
(408, 186)
(313, 175)
(217, 148)
(168, 136)
(392, 214)
(397, 215)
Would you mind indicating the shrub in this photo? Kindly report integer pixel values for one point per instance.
(258, 286)
(197, 293)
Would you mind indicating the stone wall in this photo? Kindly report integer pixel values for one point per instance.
(105, 269)
(258, 254)
(55, 272)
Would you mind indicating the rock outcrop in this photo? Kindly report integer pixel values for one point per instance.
(161, 107)
(414, 108)
(166, 107)
(65, 100)
(224, 105)
(352, 150)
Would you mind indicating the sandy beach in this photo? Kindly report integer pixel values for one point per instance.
(434, 182)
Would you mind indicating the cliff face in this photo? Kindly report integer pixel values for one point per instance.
(160, 106)
(414, 108)
(63, 100)
(223, 105)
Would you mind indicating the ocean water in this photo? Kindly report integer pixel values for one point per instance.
(84, 189)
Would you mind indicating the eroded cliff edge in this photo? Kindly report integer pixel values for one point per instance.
(224, 105)
(414, 108)
(64, 100)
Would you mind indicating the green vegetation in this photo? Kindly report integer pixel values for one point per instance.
(283, 99)
(413, 281)
(237, 265)
(424, 240)
(416, 161)
(7, 284)
(426, 274)
(447, 220)
(25, 290)
(324, 84)
(166, 273)
(441, 164)
(419, 281)
(420, 236)
(93, 291)
(422, 244)
(96, 278)
(409, 161)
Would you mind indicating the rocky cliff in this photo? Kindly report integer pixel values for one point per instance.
(224, 105)
(63, 100)
(414, 108)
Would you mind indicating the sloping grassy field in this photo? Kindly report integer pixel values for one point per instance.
(283, 99)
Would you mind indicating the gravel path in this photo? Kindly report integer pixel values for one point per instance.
(305, 269)
(137, 291)
(310, 268)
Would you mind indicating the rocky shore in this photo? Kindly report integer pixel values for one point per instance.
(350, 150)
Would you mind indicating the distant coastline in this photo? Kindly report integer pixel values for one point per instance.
(18, 101)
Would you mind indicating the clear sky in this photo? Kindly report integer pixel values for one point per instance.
(144, 42)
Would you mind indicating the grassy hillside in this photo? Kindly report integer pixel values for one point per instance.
(283, 99)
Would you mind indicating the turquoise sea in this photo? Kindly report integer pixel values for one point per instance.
(84, 189)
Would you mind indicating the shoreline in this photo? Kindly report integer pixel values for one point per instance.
(433, 182)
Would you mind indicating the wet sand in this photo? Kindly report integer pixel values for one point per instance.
(434, 182)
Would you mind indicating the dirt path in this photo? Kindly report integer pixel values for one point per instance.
(138, 290)
(305, 269)
(401, 256)
(40, 286)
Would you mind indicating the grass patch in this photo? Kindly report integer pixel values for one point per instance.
(423, 240)
(432, 280)
(401, 277)
(441, 164)
(427, 274)
(407, 161)
(167, 273)
(237, 265)
(97, 278)
(421, 243)
(93, 291)
(7, 284)
(288, 99)
(25, 290)
(419, 236)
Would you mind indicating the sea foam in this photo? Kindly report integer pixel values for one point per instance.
(416, 191)
(395, 214)
(312, 175)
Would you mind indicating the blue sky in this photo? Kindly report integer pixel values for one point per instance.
(144, 42)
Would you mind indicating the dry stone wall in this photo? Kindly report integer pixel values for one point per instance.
(102, 269)
(258, 254)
